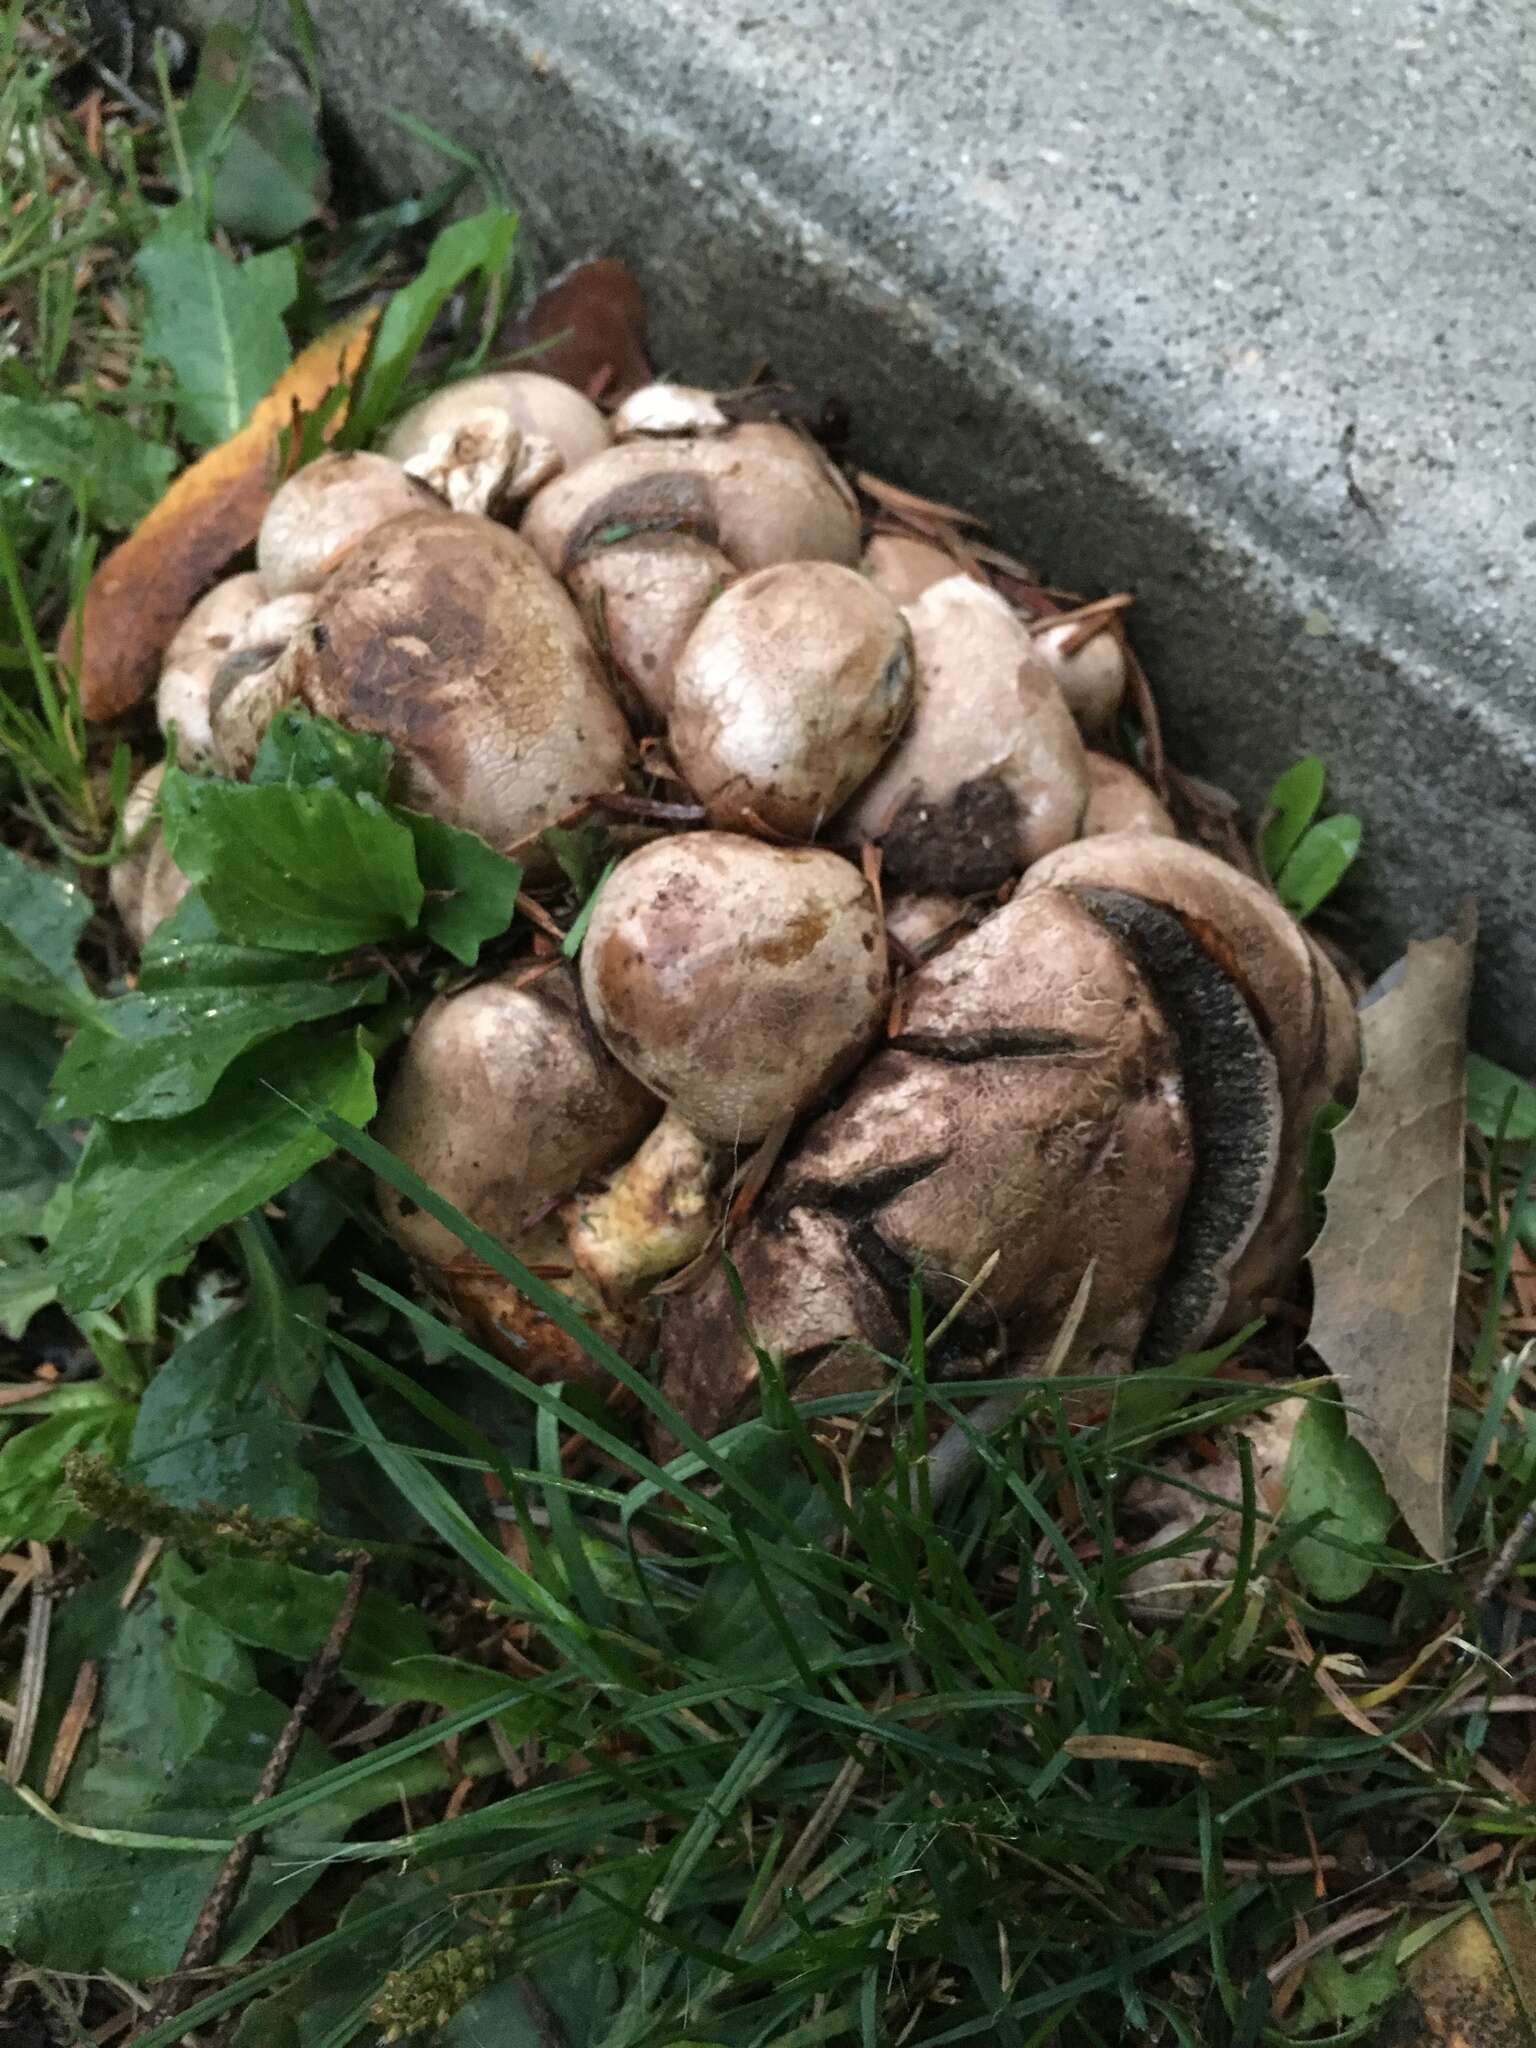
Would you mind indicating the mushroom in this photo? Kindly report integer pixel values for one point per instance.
(214, 626)
(904, 567)
(1120, 801)
(251, 685)
(788, 695)
(145, 885)
(483, 463)
(759, 493)
(739, 982)
(444, 633)
(324, 509)
(990, 773)
(502, 1103)
(537, 408)
(641, 599)
(1091, 673)
(920, 922)
(668, 409)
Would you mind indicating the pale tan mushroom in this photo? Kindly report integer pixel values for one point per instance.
(539, 408)
(641, 599)
(145, 885)
(668, 409)
(904, 567)
(1120, 801)
(251, 685)
(320, 514)
(211, 631)
(1092, 677)
(483, 463)
(788, 695)
(990, 773)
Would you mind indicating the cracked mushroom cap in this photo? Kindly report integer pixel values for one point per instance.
(1119, 800)
(1091, 677)
(320, 514)
(669, 409)
(990, 773)
(211, 631)
(738, 981)
(788, 696)
(759, 493)
(145, 885)
(904, 567)
(443, 632)
(538, 407)
(250, 688)
(642, 599)
(502, 1103)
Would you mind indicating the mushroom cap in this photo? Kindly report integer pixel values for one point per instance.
(1120, 801)
(759, 493)
(539, 406)
(668, 409)
(250, 687)
(990, 773)
(738, 981)
(213, 628)
(789, 695)
(145, 885)
(1031, 1106)
(323, 511)
(1092, 679)
(904, 567)
(485, 462)
(642, 598)
(443, 632)
(919, 922)
(502, 1103)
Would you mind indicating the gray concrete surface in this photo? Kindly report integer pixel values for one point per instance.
(1230, 303)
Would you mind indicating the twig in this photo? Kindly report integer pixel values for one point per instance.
(1508, 1555)
(77, 1716)
(144, 1564)
(208, 1930)
(1330, 1937)
(34, 1665)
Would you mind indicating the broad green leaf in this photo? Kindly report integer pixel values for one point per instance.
(1328, 1472)
(301, 870)
(1488, 1089)
(482, 243)
(303, 751)
(1319, 864)
(32, 1160)
(1332, 1995)
(41, 919)
(471, 889)
(26, 1284)
(218, 326)
(144, 1192)
(260, 144)
(100, 459)
(584, 853)
(33, 1500)
(1292, 805)
(160, 1051)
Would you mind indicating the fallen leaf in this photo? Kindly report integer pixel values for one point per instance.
(144, 589)
(1139, 1749)
(1384, 1267)
(589, 329)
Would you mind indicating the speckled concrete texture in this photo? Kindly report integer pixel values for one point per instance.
(1230, 303)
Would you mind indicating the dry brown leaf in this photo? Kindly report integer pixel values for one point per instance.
(588, 328)
(1138, 1749)
(144, 589)
(1384, 1269)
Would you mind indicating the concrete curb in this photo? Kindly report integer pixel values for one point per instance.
(1230, 310)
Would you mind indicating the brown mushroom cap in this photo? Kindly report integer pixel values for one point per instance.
(537, 405)
(145, 885)
(904, 567)
(642, 598)
(1030, 1106)
(789, 694)
(759, 493)
(502, 1103)
(1092, 679)
(324, 510)
(990, 773)
(919, 922)
(669, 409)
(738, 981)
(213, 628)
(251, 687)
(444, 633)
(1120, 801)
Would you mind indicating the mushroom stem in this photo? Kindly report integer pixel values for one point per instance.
(653, 1214)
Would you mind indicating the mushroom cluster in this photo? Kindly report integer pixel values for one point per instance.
(902, 980)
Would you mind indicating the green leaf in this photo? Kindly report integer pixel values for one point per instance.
(261, 146)
(1290, 806)
(1319, 864)
(26, 1285)
(41, 919)
(471, 889)
(33, 1499)
(218, 326)
(482, 243)
(32, 1160)
(583, 852)
(1327, 1472)
(301, 750)
(161, 1051)
(144, 1192)
(1488, 1089)
(302, 870)
(1333, 1995)
(102, 460)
